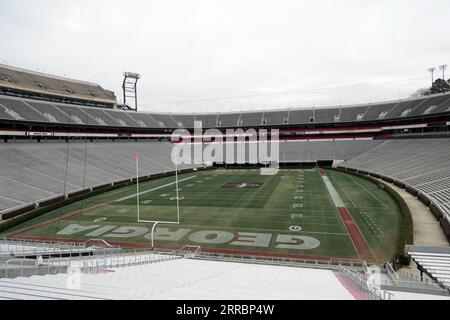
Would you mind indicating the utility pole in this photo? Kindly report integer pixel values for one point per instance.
(443, 68)
(432, 70)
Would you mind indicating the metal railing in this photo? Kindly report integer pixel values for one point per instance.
(27, 248)
(410, 280)
(39, 243)
(94, 263)
(412, 276)
(100, 264)
(361, 281)
(391, 272)
(22, 267)
(98, 243)
(333, 264)
(102, 261)
(189, 251)
(427, 284)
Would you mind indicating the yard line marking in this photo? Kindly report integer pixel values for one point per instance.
(316, 214)
(371, 223)
(259, 229)
(369, 192)
(345, 193)
(153, 189)
(314, 223)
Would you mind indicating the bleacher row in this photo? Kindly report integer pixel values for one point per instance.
(31, 171)
(311, 151)
(423, 164)
(31, 110)
(35, 171)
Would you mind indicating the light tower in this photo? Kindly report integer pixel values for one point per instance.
(432, 70)
(443, 68)
(129, 87)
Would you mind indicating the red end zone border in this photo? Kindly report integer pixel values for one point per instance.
(355, 234)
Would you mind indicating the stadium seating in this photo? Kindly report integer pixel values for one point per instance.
(251, 119)
(276, 117)
(78, 115)
(355, 113)
(228, 120)
(34, 171)
(423, 164)
(184, 120)
(30, 110)
(401, 110)
(31, 171)
(327, 115)
(22, 109)
(121, 118)
(182, 279)
(144, 120)
(208, 120)
(301, 116)
(311, 151)
(435, 260)
(164, 120)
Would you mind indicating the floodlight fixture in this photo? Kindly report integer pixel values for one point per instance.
(432, 70)
(129, 87)
(443, 68)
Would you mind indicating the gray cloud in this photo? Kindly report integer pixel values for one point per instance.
(196, 51)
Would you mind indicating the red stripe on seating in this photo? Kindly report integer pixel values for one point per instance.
(355, 234)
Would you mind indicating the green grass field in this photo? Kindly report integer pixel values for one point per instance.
(288, 213)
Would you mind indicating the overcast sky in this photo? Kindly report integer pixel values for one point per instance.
(222, 55)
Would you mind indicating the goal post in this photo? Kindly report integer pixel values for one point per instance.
(155, 222)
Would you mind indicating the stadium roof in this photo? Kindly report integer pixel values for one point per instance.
(23, 80)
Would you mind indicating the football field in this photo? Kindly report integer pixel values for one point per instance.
(304, 213)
